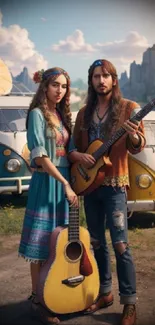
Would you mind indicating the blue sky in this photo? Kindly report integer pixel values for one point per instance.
(72, 34)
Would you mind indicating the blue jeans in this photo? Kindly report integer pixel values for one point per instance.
(109, 204)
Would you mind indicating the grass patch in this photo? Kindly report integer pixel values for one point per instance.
(11, 220)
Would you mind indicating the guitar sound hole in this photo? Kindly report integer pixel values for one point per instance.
(73, 251)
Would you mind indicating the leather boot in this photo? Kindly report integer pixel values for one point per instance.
(129, 315)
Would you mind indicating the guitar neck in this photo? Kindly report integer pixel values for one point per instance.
(119, 133)
(74, 220)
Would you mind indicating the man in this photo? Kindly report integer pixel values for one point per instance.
(106, 111)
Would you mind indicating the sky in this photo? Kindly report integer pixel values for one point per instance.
(71, 34)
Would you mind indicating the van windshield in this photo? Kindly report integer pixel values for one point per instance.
(150, 133)
(13, 120)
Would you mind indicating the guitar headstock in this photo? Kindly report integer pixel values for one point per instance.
(152, 102)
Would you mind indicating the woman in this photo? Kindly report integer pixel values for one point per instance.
(48, 134)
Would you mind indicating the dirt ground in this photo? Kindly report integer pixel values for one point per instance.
(15, 287)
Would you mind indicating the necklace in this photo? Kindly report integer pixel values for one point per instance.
(101, 117)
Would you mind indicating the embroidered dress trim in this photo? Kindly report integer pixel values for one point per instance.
(31, 260)
(61, 138)
(116, 180)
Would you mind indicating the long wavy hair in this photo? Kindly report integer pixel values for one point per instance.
(91, 100)
(40, 99)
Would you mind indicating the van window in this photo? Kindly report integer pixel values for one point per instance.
(150, 133)
(12, 120)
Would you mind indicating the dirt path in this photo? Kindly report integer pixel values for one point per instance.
(15, 287)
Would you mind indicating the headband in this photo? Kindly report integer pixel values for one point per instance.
(42, 75)
(96, 63)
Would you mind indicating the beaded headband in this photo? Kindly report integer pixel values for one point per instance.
(96, 63)
(41, 75)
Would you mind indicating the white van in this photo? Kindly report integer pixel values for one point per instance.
(15, 173)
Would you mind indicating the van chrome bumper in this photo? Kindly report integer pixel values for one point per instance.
(140, 205)
(18, 188)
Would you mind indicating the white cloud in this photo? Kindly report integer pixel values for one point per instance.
(43, 19)
(17, 50)
(123, 53)
(74, 43)
(132, 46)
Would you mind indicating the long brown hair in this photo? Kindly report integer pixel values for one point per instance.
(92, 95)
(40, 99)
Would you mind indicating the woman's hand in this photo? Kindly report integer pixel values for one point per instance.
(71, 196)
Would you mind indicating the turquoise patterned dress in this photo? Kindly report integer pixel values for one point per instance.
(47, 206)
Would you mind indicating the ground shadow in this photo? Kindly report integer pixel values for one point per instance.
(19, 313)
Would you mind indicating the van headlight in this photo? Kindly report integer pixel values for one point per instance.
(12, 165)
(144, 180)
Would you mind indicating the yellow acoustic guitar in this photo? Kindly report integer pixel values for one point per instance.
(85, 180)
(69, 280)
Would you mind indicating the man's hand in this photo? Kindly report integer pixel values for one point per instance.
(132, 128)
(87, 160)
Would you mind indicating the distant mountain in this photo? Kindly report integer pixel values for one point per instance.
(23, 83)
(140, 86)
(79, 83)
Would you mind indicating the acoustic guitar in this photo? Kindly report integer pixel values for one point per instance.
(85, 180)
(69, 280)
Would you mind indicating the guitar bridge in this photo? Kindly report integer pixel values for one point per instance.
(73, 281)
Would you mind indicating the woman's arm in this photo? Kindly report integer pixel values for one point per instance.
(52, 170)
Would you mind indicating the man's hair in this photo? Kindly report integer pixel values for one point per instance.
(106, 66)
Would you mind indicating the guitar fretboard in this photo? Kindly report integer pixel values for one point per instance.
(116, 136)
(73, 228)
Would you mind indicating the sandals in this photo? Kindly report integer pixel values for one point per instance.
(102, 301)
(32, 296)
(40, 313)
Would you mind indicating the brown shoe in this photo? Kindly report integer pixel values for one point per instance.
(129, 315)
(101, 302)
(39, 313)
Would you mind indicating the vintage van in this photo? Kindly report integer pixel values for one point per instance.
(15, 173)
(141, 195)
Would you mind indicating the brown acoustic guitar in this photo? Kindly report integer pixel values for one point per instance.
(85, 180)
(69, 279)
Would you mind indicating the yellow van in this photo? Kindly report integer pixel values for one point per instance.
(141, 195)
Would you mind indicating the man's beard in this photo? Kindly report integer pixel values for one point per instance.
(104, 94)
